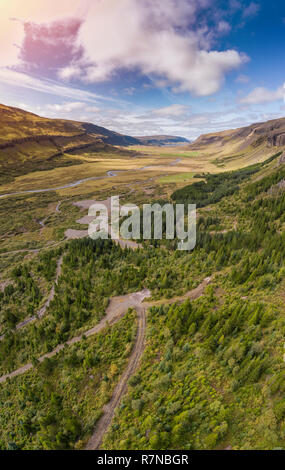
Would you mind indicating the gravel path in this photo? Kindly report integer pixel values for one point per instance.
(116, 309)
(104, 422)
(109, 410)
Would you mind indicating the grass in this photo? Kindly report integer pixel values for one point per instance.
(179, 178)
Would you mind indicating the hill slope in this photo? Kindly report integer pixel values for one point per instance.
(18, 126)
(254, 142)
(29, 142)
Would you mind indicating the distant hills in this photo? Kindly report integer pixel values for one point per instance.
(19, 126)
(161, 140)
(29, 142)
(255, 140)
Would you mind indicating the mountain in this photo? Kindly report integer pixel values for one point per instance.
(19, 126)
(200, 364)
(161, 140)
(254, 142)
(29, 142)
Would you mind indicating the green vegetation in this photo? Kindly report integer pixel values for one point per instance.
(23, 294)
(212, 374)
(30, 143)
(202, 382)
(8, 172)
(58, 403)
(216, 187)
(92, 272)
(182, 177)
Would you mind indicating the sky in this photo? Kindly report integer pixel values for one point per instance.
(145, 67)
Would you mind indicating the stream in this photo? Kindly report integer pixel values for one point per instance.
(109, 174)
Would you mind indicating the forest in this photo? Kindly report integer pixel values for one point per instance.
(212, 374)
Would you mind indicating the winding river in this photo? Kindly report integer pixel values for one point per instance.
(109, 174)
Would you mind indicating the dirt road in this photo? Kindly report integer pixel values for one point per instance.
(117, 308)
(104, 422)
(109, 410)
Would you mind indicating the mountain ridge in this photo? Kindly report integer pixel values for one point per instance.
(12, 116)
(273, 131)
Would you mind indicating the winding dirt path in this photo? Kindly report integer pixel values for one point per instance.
(42, 311)
(14, 252)
(109, 410)
(104, 422)
(57, 209)
(117, 308)
(28, 250)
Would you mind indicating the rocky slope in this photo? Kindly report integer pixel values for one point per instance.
(255, 138)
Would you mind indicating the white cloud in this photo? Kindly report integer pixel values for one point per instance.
(242, 79)
(76, 110)
(262, 95)
(170, 111)
(151, 36)
(252, 10)
(92, 109)
(50, 87)
(161, 39)
(224, 27)
(66, 73)
(66, 107)
(160, 121)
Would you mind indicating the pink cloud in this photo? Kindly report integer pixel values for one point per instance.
(51, 46)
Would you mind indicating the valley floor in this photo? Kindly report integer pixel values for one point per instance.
(198, 366)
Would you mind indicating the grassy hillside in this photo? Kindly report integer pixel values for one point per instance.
(29, 142)
(251, 144)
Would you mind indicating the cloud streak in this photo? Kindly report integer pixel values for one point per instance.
(19, 79)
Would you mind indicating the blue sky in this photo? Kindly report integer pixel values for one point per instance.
(141, 67)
